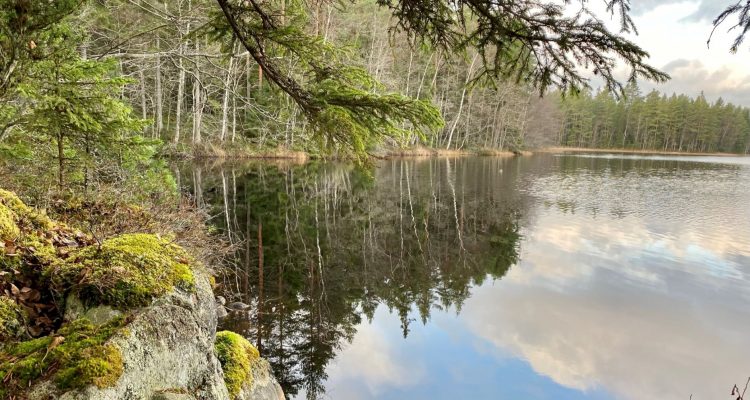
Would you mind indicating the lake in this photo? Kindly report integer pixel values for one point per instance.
(587, 276)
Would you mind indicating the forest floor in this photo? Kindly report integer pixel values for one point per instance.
(631, 151)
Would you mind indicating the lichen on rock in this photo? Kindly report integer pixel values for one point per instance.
(236, 356)
(127, 271)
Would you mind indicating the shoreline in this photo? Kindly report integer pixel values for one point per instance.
(560, 149)
(427, 152)
(220, 154)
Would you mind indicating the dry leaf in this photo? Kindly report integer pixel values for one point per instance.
(56, 341)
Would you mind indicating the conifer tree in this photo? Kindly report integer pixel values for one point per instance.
(345, 106)
(74, 103)
(520, 39)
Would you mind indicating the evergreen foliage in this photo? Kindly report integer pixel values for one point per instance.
(654, 122)
(343, 104)
(742, 10)
(62, 115)
(538, 42)
(23, 29)
(73, 103)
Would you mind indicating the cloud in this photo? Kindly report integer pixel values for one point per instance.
(640, 7)
(706, 10)
(633, 344)
(692, 77)
(372, 363)
(674, 33)
(642, 307)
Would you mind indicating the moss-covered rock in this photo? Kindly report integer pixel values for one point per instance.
(77, 356)
(8, 229)
(11, 319)
(237, 357)
(27, 237)
(99, 366)
(21, 214)
(127, 271)
(168, 341)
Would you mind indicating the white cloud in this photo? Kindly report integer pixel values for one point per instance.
(631, 344)
(706, 9)
(675, 34)
(693, 77)
(587, 308)
(372, 363)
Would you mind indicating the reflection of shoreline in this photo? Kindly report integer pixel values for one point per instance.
(632, 151)
(339, 241)
(609, 293)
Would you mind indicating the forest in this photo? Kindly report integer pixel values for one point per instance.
(654, 122)
(122, 123)
(169, 77)
(128, 79)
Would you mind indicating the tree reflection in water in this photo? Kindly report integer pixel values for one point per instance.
(323, 244)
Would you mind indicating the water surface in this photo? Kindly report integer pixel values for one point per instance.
(543, 277)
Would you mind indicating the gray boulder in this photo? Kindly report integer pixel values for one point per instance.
(264, 385)
(168, 353)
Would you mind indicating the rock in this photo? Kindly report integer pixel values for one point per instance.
(172, 396)
(247, 376)
(238, 306)
(151, 336)
(264, 385)
(169, 346)
(99, 315)
(168, 354)
(221, 312)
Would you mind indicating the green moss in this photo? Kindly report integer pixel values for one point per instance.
(11, 319)
(237, 356)
(100, 366)
(29, 233)
(22, 349)
(8, 229)
(128, 271)
(23, 214)
(84, 357)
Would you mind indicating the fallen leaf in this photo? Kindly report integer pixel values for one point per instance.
(56, 341)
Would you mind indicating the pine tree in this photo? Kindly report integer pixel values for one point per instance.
(74, 104)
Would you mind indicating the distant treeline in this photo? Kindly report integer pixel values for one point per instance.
(654, 122)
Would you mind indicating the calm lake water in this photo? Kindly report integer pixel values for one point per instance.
(541, 277)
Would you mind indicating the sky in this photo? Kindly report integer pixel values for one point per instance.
(675, 32)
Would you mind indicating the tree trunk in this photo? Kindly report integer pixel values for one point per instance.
(225, 104)
(159, 101)
(60, 160)
(461, 103)
(180, 95)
